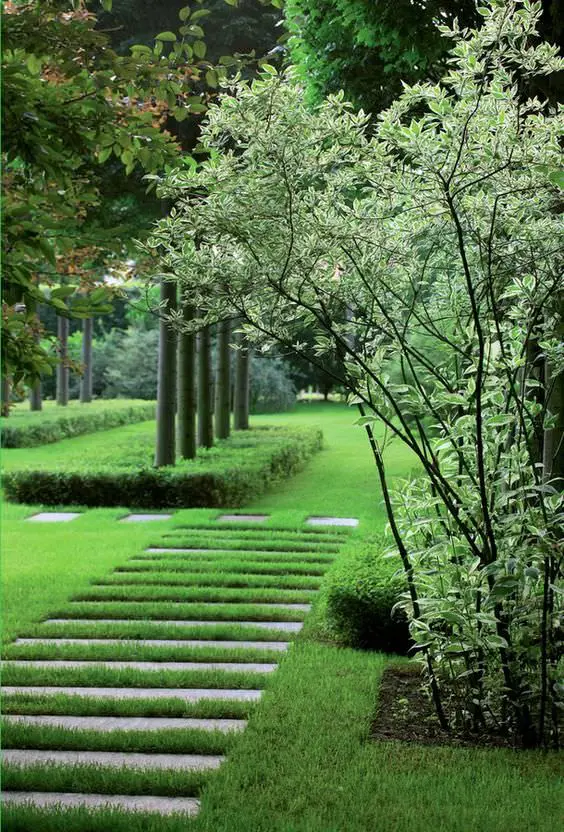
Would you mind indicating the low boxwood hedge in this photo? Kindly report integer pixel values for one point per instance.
(361, 592)
(231, 474)
(51, 426)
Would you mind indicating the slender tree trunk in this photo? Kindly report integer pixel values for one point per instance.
(205, 388)
(223, 380)
(6, 389)
(62, 368)
(35, 392)
(242, 386)
(86, 380)
(187, 438)
(166, 384)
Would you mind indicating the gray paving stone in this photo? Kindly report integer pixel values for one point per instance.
(113, 759)
(53, 517)
(107, 724)
(186, 694)
(228, 667)
(126, 802)
(157, 642)
(211, 605)
(332, 521)
(144, 518)
(283, 626)
(243, 518)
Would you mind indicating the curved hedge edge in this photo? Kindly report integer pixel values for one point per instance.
(225, 487)
(65, 427)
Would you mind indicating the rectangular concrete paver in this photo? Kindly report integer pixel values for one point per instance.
(157, 642)
(107, 724)
(211, 605)
(128, 803)
(112, 759)
(144, 518)
(332, 521)
(53, 517)
(227, 667)
(186, 694)
(283, 626)
(241, 518)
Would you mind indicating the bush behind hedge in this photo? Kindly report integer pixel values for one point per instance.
(242, 468)
(361, 591)
(63, 425)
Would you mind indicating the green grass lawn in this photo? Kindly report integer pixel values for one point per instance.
(306, 762)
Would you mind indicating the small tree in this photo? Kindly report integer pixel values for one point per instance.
(440, 236)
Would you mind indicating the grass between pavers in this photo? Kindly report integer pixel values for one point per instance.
(164, 741)
(137, 652)
(306, 764)
(24, 428)
(265, 530)
(128, 677)
(217, 595)
(221, 566)
(26, 819)
(90, 628)
(177, 611)
(222, 579)
(233, 544)
(102, 780)
(62, 704)
(186, 557)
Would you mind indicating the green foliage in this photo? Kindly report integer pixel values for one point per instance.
(232, 473)
(363, 591)
(272, 390)
(51, 426)
(369, 48)
(437, 233)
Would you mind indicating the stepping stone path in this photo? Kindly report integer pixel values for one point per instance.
(63, 652)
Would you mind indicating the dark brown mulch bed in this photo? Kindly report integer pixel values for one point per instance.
(405, 713)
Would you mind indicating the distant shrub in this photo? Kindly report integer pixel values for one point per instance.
(361, 593)
(63, 425)
(229, 475)
(272, 389)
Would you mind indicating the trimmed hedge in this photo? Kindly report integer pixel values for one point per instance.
(62, 425)
(361, 591)
(231, 474)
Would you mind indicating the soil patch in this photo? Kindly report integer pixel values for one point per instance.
(405, 713)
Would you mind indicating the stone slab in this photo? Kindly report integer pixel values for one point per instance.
(157, 642)
(144, 518)
(186, 694)
(107, 724)
(228, 667)
(112, 759)
(332, 521)
(211, 605)
(126, 802)
(53, 517)
(282, 626)
(243, 518)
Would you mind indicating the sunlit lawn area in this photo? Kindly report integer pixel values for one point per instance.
(306, 762)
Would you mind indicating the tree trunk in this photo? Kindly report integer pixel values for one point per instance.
(223, 380)
(6, 388)
(187, 389)
(205, 388)
(166, 383)
(62, 368)
(86, 380)
(35, 392)
(242, 386)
